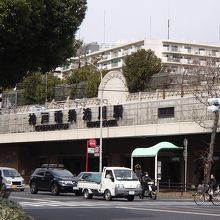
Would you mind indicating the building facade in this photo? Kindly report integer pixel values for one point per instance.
(174, 55)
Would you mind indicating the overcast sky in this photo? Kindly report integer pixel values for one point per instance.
(111, 21)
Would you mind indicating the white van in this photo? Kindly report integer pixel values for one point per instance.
(11, 179)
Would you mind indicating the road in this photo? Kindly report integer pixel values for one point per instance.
(44, 206)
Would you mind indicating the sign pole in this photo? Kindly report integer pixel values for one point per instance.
(185, 152)
(87, 155)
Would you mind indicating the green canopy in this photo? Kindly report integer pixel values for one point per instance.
(153, 151)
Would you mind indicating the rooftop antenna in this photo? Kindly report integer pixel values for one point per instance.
(168, 23)
(219, 33)
(104, 31)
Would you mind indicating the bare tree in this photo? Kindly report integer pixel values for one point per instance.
(205, 82)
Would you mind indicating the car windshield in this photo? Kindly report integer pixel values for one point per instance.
(93, 177)
(121, 174)
(11, 173)
(62, 173)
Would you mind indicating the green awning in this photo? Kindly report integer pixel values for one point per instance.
(153, 151)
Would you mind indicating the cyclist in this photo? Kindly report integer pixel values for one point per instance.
(212, 186)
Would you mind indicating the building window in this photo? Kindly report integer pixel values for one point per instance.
(115, 54)
(166, 47)
(214, 52)
(174, 48)
(188, 49)
(115, 63)
(166, 112)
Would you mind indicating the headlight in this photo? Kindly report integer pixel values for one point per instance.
(138, 185)
(22, 182)
(8, 181)
(119, 186)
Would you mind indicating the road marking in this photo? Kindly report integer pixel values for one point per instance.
(170, 211)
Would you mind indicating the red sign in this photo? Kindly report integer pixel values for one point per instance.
(92, 142)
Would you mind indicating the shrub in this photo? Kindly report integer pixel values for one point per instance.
(10, 210)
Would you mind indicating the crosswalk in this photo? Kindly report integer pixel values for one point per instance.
(54, 204)
(97, 204)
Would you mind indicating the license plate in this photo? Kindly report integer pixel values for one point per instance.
(131, 192)
(14, 186)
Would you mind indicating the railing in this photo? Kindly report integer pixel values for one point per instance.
(169, 186)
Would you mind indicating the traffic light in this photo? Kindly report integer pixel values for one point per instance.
(87, 114)
(72, 115)
(58, 117)
(214, 104)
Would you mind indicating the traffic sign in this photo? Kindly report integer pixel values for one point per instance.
(96, 151)
(92, 142)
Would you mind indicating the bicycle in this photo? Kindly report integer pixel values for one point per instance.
(203, 194)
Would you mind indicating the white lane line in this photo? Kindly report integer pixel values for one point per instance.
(171, 211)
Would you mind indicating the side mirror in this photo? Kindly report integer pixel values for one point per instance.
(112, 179)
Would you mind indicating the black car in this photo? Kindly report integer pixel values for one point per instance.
(55, 179)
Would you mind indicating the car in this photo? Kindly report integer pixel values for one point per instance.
(11, 179)
(81, 176)
(53, 178)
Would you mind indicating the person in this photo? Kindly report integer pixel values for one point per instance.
(145, 180)
(212, 185)
(138, 172)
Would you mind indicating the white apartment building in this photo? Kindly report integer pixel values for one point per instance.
(173, 54)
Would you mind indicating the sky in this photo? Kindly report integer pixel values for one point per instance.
(116, 21)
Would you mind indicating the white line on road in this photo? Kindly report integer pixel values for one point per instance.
(170, 211)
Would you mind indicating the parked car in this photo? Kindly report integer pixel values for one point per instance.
(11, 179)
(81, 176)
(53, 178)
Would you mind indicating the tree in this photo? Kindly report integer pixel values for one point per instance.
(36, 34)
(86, 80)
(36, 85)
(206, 85)
(138, 69)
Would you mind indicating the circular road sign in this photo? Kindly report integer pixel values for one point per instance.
(92, 142)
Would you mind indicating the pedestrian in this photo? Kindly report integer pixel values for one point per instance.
(138, 171)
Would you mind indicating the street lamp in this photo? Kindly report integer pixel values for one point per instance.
(101, 103)
(101, 121)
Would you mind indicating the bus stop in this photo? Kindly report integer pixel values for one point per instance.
(153, 152)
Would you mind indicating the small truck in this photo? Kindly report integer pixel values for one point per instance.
(117, 182)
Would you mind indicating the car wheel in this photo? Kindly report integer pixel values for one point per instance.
(130, 198)
(107, 195)
(55, 189)
(33, 188)
(4, 187)
(86, 194)
(78, 193)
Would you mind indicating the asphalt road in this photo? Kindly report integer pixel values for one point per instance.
(44, 206)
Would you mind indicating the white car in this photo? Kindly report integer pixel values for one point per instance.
(11, 179)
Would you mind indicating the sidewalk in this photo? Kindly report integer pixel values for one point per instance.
(175, 195)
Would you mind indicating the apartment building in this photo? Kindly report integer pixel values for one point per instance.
(173, 54)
